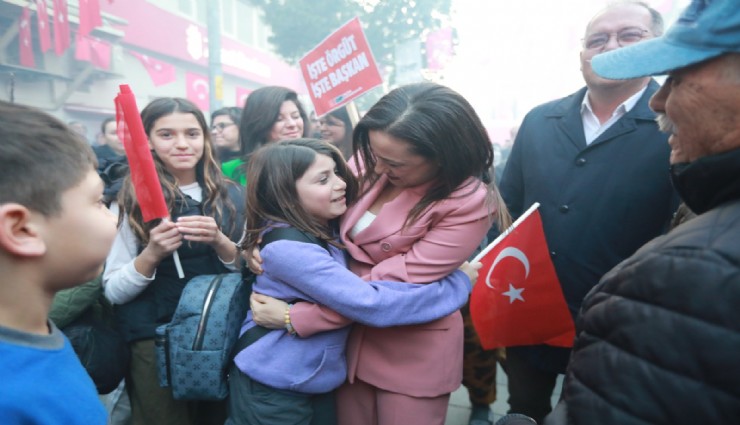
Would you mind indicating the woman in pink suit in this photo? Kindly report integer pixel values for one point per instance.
(427, 200)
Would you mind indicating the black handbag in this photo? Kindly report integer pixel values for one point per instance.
(100, 346)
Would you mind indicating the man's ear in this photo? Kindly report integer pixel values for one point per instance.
(20, 233)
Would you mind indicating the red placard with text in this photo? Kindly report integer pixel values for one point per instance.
(340, 68)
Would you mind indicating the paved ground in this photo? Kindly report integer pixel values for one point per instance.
(459, 410)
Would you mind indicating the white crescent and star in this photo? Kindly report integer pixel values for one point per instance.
(513, 293)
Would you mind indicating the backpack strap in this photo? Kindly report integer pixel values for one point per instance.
(276, 234)
(291, 234)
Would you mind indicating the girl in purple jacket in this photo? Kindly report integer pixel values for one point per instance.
(281, 377)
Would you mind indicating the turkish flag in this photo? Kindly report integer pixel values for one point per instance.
(89, 16)
(93, 50)
(25, 46)
(197, 90)
(62, 39)
(42, 16)
(160, 72)
(517, 299)
(141, 163)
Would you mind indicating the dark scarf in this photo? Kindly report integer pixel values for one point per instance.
(709, 181)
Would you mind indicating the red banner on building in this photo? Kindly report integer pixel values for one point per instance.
(42, 16)
(25, 46)
(340, 68)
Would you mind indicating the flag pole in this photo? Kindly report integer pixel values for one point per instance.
(503, 234)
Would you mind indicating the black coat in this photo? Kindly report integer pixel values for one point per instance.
(599, 202)
(155, 306)
(658, 339)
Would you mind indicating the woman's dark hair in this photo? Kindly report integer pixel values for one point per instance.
(207, 171)
(261, 110)
(271, 188)
(439, 125)
(345, 145)
(233, 112)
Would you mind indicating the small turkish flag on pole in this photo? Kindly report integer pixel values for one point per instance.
(517, 299)
(144, 175)
(25, 45)
(42, 17)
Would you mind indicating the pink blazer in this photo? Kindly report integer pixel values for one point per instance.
(421, 360)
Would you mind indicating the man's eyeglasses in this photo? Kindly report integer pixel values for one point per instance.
(221, 126)
(625, 37)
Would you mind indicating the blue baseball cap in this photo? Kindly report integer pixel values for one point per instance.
(706, 29)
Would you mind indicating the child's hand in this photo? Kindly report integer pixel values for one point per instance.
(163, 240)
(267, 311)
(253, 260)
(199, 228)
(471, 270)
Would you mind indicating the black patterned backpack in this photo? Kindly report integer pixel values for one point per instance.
(195, 350)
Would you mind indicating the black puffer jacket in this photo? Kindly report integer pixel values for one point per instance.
(658, 340)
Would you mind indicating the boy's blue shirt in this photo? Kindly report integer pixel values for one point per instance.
(304, 271)
(42, 382)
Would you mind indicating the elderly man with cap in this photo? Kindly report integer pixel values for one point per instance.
(658, 340)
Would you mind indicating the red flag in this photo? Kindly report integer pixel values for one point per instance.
(517, 299)
(42, 16)
(89, 16)
(61, 27)
(196, 90)
(93, 50)
(143, 173)
(25, 46)
(160, 72)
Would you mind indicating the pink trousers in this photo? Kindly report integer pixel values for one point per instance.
(363, 404)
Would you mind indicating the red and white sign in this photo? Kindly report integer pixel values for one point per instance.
(517, 299)
(340, 68)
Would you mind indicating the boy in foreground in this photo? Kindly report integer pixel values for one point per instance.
(55, 232)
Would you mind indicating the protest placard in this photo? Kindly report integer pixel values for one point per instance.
(340, 68)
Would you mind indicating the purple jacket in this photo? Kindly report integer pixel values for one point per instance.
(303, 271)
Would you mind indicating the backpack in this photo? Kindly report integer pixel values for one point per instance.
(100, 346)
(195, 350)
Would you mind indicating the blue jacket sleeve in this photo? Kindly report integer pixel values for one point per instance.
(312, 272)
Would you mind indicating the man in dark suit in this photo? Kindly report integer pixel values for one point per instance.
(596, 162)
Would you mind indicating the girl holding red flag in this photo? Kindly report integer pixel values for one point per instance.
(141, 278)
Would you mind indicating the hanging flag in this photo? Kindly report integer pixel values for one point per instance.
(61, 27)
(93, 50)
(25, 46)
(144, 175)
(89, 16)
(517, 299)
(196, 90)
(42, 16)
(160, 72)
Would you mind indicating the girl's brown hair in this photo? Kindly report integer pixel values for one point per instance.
(207, 172)
(271, 188)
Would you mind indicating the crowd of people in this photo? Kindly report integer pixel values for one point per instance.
(366, 322)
